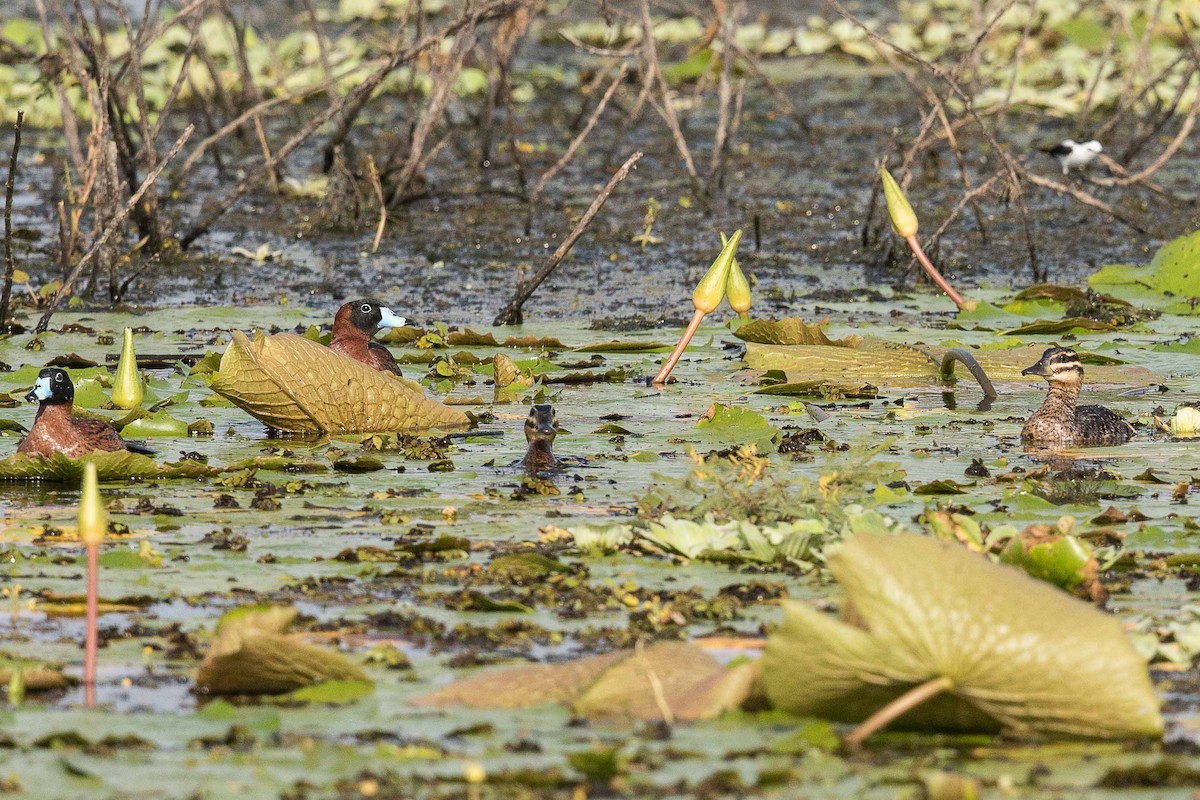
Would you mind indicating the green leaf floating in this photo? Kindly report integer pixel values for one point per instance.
(790, 330)
(111, 466)
(1174, 271)
(251, 653)
(296, 385)
(1019, 654)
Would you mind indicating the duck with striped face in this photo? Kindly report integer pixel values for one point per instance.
(1060, 422)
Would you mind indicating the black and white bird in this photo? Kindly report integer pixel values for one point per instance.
(1071, 153)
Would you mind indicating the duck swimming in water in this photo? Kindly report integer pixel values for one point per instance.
(540, 429)
(354, 325)
(55, 430)
(1059, 421)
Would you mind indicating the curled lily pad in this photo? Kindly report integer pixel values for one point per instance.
(252, 654)
(111, 466)
(1015, 654)
(293, 384)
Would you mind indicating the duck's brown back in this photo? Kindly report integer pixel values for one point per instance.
(57, 431)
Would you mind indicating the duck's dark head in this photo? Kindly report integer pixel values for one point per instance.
(368, 316)
(542, 424)
(53, 386)
(1058, 365)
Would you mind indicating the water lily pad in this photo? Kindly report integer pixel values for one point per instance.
(115, 466)
(1173, 273)
(1020, 655)
(667, 680)
(791, 330)
(296, 385)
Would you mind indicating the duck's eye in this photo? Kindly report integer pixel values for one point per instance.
(58, 378)
(365, 308)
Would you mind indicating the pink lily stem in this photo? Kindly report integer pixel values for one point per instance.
(692, 327)
(91, 635)
(897, 708)
(915, 245)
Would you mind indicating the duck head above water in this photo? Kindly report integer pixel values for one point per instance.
(540, 429)
(367, 316)
(354, 325)
(1059, 365)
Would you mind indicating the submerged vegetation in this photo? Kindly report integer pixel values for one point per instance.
(570, 557)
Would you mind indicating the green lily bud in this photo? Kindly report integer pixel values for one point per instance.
(16, 687)
(711, 289)
(92, 522)
(904, 219)
(127, 388)
(737, 289)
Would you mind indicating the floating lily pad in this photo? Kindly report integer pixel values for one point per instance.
(1171, 277)
(624, 347)
(1020, 655)
(790, 331)
(111, 466)
(670, 678)
(296, 385)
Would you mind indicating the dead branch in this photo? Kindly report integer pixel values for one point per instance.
(356, 98)
(10, 262)
(511, 313)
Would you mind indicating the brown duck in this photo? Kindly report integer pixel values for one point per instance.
(1059, 421)
(354, 325)
(540, 429)
(56, 430)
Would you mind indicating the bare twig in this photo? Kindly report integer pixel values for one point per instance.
(511, 313)
(1083, 197)
(112, 227)
(10, 263)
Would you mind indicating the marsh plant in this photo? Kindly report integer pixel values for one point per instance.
(744, 484)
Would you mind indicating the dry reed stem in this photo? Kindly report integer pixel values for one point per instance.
(377, 187)
(10, 262)
(112, 227)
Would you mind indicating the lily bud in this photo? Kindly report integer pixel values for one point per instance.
(127, 388)
(711, 289)
(904, 219)
(737, 290)
(92, 522)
